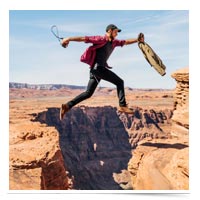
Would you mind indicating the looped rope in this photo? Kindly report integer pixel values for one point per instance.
(54, 30)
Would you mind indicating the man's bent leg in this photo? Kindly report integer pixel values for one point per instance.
(111, 77)
(85, 95)
(92, 84)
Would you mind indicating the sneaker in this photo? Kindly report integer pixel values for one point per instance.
(64, 108)
(125, 109)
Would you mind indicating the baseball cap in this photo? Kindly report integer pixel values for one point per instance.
(112, 26)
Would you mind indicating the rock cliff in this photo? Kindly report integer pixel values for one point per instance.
(97, 142)
(36, 161)
(164, 164)
(180, 126)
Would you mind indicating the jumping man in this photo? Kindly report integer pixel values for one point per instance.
(96, 56)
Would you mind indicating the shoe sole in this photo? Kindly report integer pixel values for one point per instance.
(131, 112)
(61, 111)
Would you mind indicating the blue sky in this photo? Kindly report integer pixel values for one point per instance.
(36, 56)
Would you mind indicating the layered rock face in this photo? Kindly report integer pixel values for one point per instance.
(145, 123)
(180, 118)
(97, 143)
(180, 129)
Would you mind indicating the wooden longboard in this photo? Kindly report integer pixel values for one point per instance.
(152, 58)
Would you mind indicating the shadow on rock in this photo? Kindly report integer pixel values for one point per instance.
(164, 145)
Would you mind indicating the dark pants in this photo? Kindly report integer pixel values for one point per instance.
(96, 74)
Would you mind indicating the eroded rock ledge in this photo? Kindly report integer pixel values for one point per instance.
(180, 118)
(36, 161)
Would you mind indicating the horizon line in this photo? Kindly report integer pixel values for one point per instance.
(83, 86)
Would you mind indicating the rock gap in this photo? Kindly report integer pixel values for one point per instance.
(95, 146)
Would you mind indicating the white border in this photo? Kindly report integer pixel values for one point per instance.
(89, 5)
(97, 5)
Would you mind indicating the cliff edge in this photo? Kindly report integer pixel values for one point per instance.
(164, 164)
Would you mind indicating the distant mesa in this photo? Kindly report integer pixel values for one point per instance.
(43, 86)
(65, 86)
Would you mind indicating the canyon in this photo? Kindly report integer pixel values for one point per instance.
(96, 147)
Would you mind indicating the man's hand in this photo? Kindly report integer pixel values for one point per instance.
(65, 42)
(141, 37)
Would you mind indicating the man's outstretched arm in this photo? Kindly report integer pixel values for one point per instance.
(139, 39)
(130, 41)
(66, 41)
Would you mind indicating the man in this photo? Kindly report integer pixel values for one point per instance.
(96, 56)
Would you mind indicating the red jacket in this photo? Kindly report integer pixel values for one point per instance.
(89, 55)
